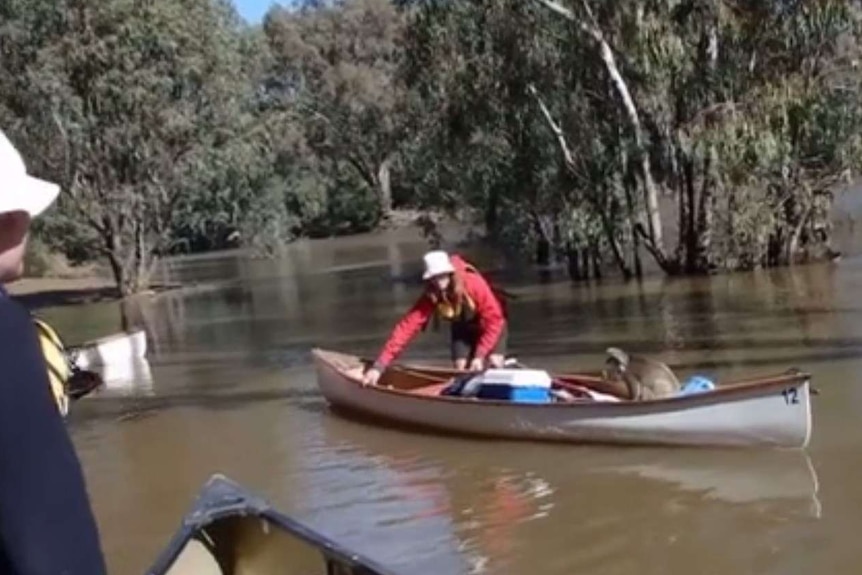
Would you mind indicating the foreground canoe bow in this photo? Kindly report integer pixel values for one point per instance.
(230, 531)
(766, 412)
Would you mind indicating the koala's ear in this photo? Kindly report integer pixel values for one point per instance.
(617, 356)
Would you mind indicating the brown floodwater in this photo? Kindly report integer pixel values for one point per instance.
(229, 387)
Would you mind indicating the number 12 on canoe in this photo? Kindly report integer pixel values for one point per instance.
(791, 395)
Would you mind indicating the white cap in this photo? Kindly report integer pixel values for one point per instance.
(18, 190)
(437, 263)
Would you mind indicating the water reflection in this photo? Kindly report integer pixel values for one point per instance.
(786, 480)
(462, 517)
(498, 495)
(128, 377)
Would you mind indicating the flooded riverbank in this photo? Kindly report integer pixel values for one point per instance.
(229, 388)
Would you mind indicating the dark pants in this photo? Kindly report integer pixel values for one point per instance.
(465, 336)
(46, 524)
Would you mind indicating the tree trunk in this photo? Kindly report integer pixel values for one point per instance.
(731, 257)
(682, 217)
(706, 211)
(491, 209)
(384, 187)
(113, 249)
(543, 252)
(631, 210)
(573, 262)
(131, 264)
(586, 263)
(544, 233)
(616, 249)
(118, 272)
(595, 258)
(141, 258)
(793, 243)
(711, 179)
(690, 236)
(636, 255)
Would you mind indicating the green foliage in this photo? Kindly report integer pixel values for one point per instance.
(334, 72)
(578, 132)
(735, 121)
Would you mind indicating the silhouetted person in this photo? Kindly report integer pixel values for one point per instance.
(46, 523)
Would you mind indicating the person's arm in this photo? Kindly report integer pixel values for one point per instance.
(490, 312)
(46, 523)
(404, 331)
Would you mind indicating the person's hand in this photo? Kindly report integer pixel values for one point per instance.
(477, 364)
(371, 377)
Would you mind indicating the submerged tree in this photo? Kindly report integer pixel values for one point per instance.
(730, 122)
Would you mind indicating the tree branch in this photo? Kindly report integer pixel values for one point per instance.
(364, 172)
(657, 254)
(568, 157)
(607, 56)
(67, 154)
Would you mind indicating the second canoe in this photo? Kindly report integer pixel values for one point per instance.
(773, 411)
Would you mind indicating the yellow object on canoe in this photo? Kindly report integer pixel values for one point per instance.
(56, 363)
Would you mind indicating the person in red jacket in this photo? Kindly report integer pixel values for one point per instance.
(456, 292)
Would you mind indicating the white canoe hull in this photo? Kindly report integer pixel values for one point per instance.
(776, 413)
(115, 349)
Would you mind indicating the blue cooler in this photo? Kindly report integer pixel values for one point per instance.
(697, 384)
(518, 385)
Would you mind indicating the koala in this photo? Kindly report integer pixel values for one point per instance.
(645, 378)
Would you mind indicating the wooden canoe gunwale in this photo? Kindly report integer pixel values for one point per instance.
(721, 394)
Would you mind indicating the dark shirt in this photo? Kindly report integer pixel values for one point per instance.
(46, 523)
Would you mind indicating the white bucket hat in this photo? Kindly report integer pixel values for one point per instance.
(18, 190)
(437, 263)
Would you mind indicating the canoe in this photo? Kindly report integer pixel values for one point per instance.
(230, 531)
(117, 348)
(773, 411)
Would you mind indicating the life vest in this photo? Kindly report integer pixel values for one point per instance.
(56, 363)
(452, 311)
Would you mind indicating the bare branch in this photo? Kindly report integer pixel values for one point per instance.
(559, 9)
(67, 154)
(568, 157)
(656, 253)
(364, 172)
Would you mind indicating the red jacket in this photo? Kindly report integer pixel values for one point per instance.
(489, 313)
